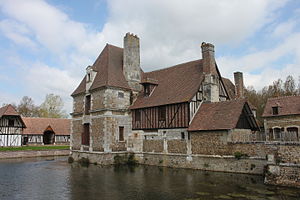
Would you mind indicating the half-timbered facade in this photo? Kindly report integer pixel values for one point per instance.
(117, 106)
(11, 127)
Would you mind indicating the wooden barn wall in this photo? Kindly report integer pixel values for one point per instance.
(177, 116)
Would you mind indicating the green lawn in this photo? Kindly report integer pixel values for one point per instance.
(33, 148)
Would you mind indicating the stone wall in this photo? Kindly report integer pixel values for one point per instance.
(283, 175)
(153, 146)
(97, 134)
(77, 130)
(282, 121)
(177, 146)
(97, 98)
(289, 154)
(78, 103)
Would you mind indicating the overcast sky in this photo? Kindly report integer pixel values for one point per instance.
(47, 44)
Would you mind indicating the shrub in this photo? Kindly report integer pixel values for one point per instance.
(238, 155)
(70, 159)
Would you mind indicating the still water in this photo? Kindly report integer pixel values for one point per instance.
(54, 178)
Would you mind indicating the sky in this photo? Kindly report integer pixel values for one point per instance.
(45, 45)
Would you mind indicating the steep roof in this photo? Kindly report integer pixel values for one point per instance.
(8, 110)
(39, 125)
(230, 88)
(109, 68)
(175, 84)
(288, 105)
(222, 115)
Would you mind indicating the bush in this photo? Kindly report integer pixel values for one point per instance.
(70, 159)
(238, 155)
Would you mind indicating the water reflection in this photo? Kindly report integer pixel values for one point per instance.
(55, 179)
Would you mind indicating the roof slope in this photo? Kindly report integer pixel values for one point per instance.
(288, 105)
(39, 125)
(230, 88)
(175, 84)
(109, 68)
(8, 110)
(222, 115)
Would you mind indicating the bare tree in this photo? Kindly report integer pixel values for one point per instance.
(52, 107)
(26, 107)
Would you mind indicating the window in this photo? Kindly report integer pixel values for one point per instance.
(162, 113)
(87, 104)
(120, 94)
(85, 137)
(182, 135)
(277, 132)
(121, 133)
(11, 122)
(147, 90)
(137, 115)
(88, 77)
(275, 110)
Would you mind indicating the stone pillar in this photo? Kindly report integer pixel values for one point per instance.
(131, 61)
(239, 84)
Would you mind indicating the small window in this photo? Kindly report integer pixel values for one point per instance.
(147, 90)
(137, 115)
(275, 110)
(162, 113)
(121, 133)
(120, 94)
(182, 135)
(88, 77)
(11, 122)
(87, 104)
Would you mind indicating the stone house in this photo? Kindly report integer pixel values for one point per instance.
(46, 131)
(282, 118)
(119, 108)
(11, 127)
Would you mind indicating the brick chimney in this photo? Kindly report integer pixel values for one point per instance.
(239, 84)
(131, 61)
(210, 83)
(208, 58)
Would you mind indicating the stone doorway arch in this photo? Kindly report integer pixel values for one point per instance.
(49, 136)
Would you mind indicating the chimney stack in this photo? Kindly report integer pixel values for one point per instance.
(208, 58)
(131, 61)
(239, 84)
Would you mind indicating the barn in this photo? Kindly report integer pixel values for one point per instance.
(46, 131)
(11, 127)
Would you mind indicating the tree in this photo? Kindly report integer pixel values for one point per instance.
(52, 107)
(290, 86)
(26, 107)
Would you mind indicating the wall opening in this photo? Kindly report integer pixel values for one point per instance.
(121, 133)
(87, 104)
(85, 137)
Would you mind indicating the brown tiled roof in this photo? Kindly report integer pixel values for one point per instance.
(218, 116)
(175, 84)
(288, 105)
(230, 88)
(8, 110)
(109, 67)
(39, 125)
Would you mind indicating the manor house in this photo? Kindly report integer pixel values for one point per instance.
(120, 108)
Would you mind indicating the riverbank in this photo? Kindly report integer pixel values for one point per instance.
(33, 151)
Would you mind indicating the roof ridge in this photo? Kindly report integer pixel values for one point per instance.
(282, 97)
(174, 66)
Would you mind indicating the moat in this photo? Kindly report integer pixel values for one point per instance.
(54, 178)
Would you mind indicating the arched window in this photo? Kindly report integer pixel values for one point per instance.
(294, 132)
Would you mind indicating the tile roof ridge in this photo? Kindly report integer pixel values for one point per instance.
(174, 66)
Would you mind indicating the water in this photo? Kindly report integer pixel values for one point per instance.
(54, 178)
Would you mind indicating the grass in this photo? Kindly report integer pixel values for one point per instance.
(34, 148)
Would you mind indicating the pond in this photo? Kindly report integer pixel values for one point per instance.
(54, 178)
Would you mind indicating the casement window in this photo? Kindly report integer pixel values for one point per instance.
(121, 133)
(85, 137)
(11, 122)
(162, 113)
(137, 115)
(275, 110)
(121, 94)
(87, 104)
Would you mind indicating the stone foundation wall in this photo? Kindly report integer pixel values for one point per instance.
(283, 175)
(289, 154)
(153, 146)
(97, 134)
(177, 146)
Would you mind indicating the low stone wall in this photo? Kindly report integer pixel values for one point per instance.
(209, 163)
(177, 146)
(28, 154)
(284, 175)
(153, 146)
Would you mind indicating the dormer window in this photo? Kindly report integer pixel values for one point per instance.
(147, 90)
(149, 85)
(275, 110)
